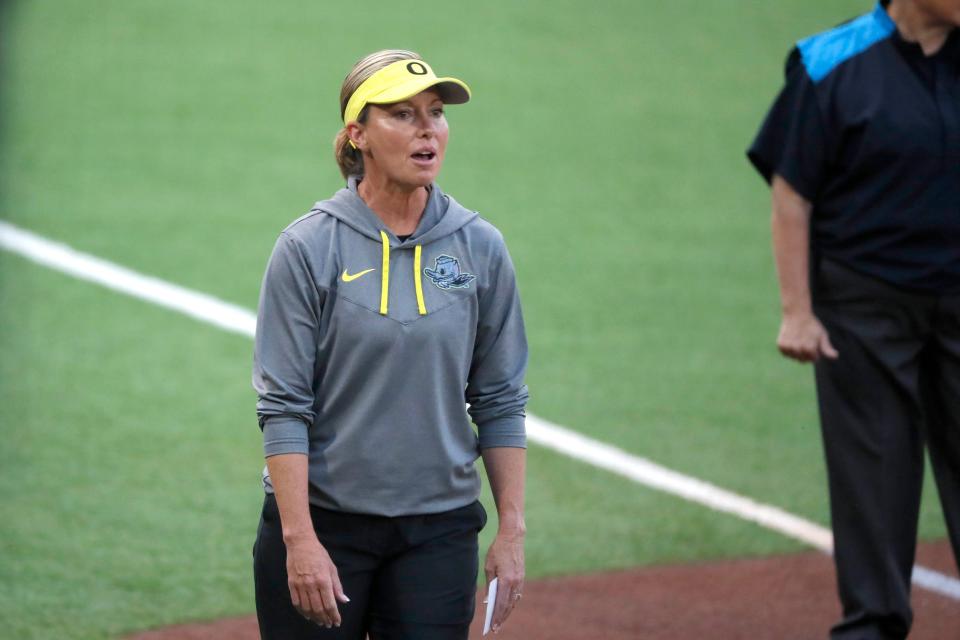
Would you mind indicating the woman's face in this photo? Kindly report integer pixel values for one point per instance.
(404, 141)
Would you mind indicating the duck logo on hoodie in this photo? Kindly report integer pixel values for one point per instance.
(446, 274)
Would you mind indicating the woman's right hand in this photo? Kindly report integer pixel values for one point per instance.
(803, 338)
(314, 582)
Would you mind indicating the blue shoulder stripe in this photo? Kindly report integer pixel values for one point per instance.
(823, 52)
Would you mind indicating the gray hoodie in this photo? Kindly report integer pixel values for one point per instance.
(368, 348)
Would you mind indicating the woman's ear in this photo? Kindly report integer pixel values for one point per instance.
(356, 133)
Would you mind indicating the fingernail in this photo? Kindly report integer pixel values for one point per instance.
(346, 598)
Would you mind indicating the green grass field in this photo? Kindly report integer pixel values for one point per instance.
(605, 140)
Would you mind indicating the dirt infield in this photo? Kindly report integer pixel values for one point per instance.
(783, 597)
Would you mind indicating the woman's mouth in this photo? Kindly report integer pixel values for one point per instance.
(423, 157)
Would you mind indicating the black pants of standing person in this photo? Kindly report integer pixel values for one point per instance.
(408, 578)
(894, 389)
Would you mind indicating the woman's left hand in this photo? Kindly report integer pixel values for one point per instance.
(505, 561)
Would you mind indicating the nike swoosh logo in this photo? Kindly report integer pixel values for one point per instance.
(349, 278)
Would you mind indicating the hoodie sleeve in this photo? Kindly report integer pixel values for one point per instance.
(495, 388)
(285, 349)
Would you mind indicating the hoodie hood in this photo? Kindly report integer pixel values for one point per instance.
(442, 216)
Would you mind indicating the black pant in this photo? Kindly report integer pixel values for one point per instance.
(895, 386)
(409, 577)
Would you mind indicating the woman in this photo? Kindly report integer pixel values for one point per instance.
(382, 312)
(863, 151)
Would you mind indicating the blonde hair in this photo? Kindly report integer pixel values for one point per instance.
(349, 159)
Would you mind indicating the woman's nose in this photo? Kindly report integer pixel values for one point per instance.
(428, 125)
(427, 128)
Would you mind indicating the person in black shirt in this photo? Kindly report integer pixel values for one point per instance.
(862, 149)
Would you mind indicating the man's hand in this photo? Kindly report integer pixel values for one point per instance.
(804, 339)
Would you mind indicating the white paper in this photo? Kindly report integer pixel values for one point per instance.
(491, 603)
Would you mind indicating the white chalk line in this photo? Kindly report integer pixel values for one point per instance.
(239, 320)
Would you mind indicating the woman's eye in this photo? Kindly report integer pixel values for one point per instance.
(437, 113)
(402, 114)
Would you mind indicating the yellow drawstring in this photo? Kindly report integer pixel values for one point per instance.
(416, 281)
(385, 275)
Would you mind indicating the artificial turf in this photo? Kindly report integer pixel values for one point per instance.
(605, 140)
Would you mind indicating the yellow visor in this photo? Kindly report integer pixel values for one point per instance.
(401, 80)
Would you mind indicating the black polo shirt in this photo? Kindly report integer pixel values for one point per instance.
(867, 128)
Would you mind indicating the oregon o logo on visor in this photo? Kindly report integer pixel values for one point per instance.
(417, 69)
